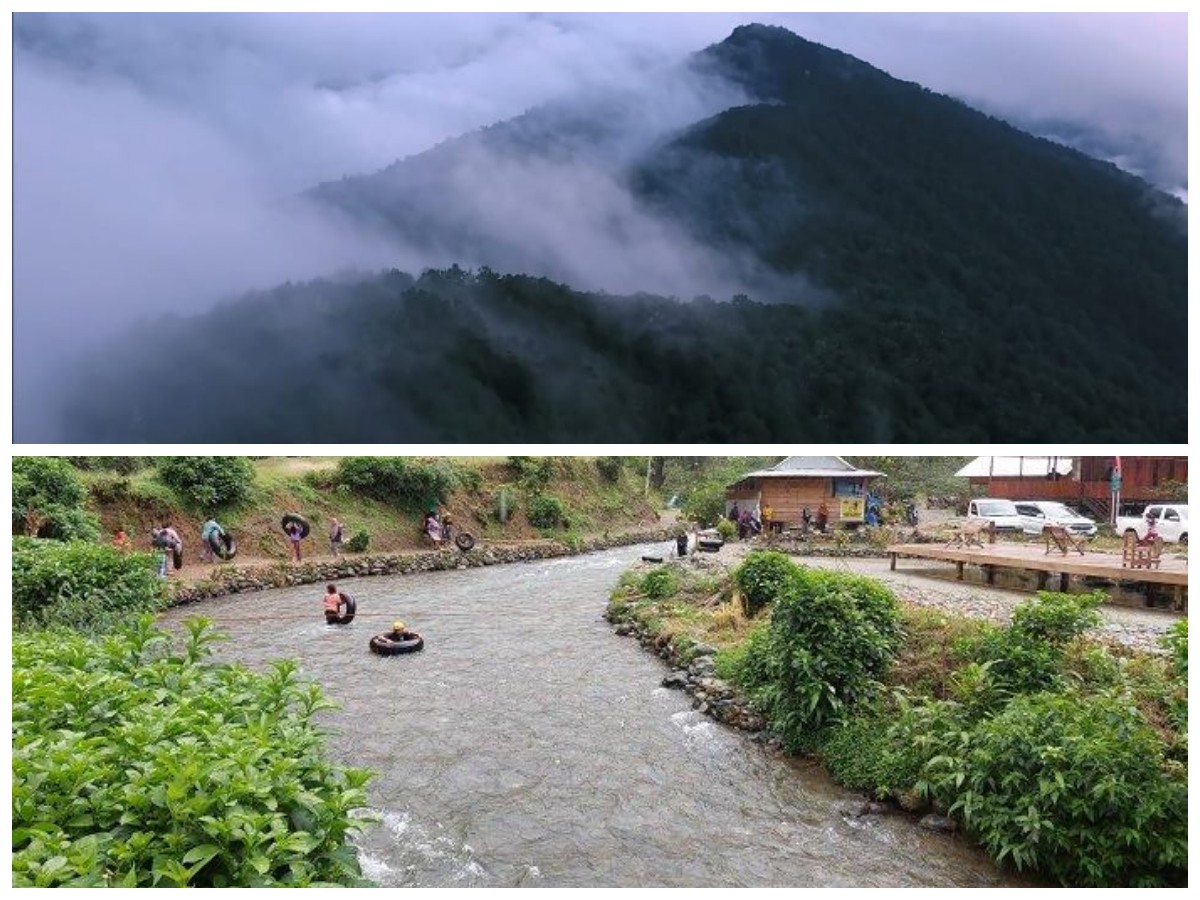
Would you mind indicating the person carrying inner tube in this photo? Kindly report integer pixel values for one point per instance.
(333, 604)
(294, 533)
(207, 530)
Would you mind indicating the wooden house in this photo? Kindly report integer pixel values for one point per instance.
(800, 482)
(1083, 481)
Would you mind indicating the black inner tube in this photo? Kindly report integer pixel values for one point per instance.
(293, 518)
(464, 541)
(223, 544)
(386, 644)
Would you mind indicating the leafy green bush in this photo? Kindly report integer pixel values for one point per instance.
(1057, 618)
(122, 465)
(726, 529)
(48, 498)
(705, 504)
(136, 765)
(610, 468)
(862, 756)
(86, 587)
(532, 472)
(1027, 657)
(658, 584)
(359, 542)
(1175, 642)
(831, 637)
(763, 577)
(413, 485)
(1074, 786)
(545, 511)
(207, 482)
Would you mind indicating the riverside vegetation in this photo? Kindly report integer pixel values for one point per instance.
(1060, 755)
(115, 726)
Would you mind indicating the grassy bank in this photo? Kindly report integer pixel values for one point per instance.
(1057, 753)
(496, 499)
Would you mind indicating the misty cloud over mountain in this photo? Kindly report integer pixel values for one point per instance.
(164, 163)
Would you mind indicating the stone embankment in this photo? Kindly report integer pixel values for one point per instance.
(231, 579)
(693, 671)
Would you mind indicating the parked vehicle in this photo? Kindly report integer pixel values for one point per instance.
(1002, 514)
(1037, 514)
(1171, 522)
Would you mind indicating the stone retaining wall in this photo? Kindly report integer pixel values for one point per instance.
(232, 580)
(694, 672)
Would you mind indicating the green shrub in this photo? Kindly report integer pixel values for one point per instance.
(831, 638)
(862, 756)
(762, 578)
(726, 529)
(136, 765)
(1175, 642)
(1057, 618)
(1075, 787)
(705, 504)
(207, 482)
(1027, 657)
(660, 583)
(610, 468)
(545, 511)
(359, 542)
(532, 472)
(122, 465)
(412, 485)
(86, 587)
(48, 498)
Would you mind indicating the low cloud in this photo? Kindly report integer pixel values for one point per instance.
(159, 159)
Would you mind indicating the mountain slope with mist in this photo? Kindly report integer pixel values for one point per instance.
(916, 271)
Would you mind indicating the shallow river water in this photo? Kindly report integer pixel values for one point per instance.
(528, 745)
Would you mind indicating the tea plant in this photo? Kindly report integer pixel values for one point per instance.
(831, 638)
(763, 577)
(86, 587)
(136, 764)
(1074, 786)
(207, 482)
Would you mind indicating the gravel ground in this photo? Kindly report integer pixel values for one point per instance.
(933, 585)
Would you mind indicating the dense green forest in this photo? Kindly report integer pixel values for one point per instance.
(923, 273)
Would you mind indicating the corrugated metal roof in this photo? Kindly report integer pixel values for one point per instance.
(812, 467)
(1016, 466)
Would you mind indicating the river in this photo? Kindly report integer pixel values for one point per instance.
(528, 745)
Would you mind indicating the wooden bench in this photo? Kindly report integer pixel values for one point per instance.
(1061, 538)
(1137, 554)
(969, 534)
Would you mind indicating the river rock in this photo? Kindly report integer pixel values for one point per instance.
(624, 629)
(675, 680)
(703, 650)
(941, 824)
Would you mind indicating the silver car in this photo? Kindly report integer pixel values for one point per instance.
(1036, 514)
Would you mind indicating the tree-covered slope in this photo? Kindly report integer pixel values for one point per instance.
(919, 272)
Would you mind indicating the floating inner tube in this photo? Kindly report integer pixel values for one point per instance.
(348, 608)
(297, 519)
(464, 541)
(387, 645)
(223, 544)
(177, 555)
(653, 559)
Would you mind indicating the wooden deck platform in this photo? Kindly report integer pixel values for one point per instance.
(1033, 558)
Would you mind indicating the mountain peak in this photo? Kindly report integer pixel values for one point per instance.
(775, 64)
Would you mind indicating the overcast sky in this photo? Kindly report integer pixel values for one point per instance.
(154, 154)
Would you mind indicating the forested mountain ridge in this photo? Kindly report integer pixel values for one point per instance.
(933, 274)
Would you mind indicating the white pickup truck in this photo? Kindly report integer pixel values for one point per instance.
(1171, 522)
